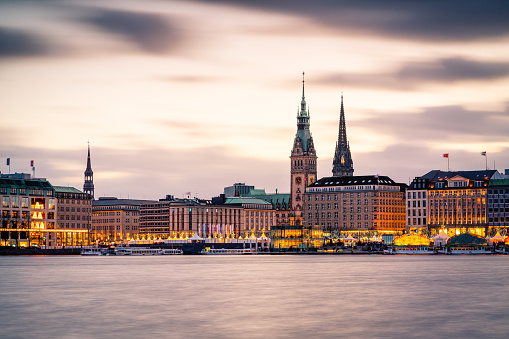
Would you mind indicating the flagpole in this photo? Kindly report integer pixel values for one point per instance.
(447, 162)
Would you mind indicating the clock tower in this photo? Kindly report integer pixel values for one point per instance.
(302, 161)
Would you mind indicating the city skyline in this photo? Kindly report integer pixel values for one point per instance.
(194, 96)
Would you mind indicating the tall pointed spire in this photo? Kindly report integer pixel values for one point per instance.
(342, 164)
(88, 186)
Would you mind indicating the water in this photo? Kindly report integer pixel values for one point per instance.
(343, 296)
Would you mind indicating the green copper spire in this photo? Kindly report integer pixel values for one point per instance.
(303, 135)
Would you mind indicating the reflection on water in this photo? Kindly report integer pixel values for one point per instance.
(254, 297)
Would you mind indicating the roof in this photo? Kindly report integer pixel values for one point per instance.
(66, 189)
(245, 200)
(23, 183)
(435, 175)
(118, 202)
(274, 199)
(498, 183)
(355, 180)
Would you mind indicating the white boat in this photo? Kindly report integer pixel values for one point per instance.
(95, 251)
(138, 251)
(227, 251)
(388, 251)
(412, 250)
(172, 251)
(465, 250)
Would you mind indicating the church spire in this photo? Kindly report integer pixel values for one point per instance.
(342, 164)
(88, 186)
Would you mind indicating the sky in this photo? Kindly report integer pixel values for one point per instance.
(193, 96)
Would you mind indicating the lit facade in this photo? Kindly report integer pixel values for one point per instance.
(457, 201)
(74, 216)
(185, 217)
(115, 220)
(358, 204)
(28, 212)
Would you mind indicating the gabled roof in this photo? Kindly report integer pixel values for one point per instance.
(435, 175)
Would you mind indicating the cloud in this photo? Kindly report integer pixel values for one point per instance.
(414, 75)
(443, 124)
(151, 33)
(18, 43)
(442, 20)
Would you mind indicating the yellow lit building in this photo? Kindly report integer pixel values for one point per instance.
(456, 201)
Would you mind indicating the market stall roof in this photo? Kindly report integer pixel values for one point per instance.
(441, 236)
(466, 239)
(411, 239)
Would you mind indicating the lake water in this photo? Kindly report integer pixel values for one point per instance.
(346, 296)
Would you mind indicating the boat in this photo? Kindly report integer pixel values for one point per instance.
(138, 251)
(172, 251)
(227, 251)
(411, 250)
(388, 251)
(502, 250)
(465, 250)
(95, 251)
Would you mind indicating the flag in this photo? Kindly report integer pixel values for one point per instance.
(8, 161)
(483, 153)
(446, 155)
(31, 163)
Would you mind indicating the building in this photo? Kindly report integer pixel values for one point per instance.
(88, 186)
(74, 216)
(498, 205)
(237, 190)
(417, 206)
(361, 205)
(115, 220)
(174, 218)
(280, 204)
(303, 161)
(342, 165)
(28, 211)
(457, 201)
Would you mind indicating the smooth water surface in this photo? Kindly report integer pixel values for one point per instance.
(343, 296)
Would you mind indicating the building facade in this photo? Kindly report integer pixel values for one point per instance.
(115, 220)
(417, 206)
(74, 216)
(358, 204)
(342, 165)
(498, 205)
(181, 218)
(457, 201)
(303, 161)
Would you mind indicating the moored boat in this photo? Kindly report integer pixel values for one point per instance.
(95, 251)
(465, 250)
(412, 250)
(227, 251)
(172, 251)
(138, 251)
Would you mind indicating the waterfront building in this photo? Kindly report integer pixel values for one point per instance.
(280, 204)
(457, 201)
(416, 209)
(74, 215)
(498, 205)
(360, 205)
(181, 218)
(88, 186)
(342, 165)
(115, 220)
(28, 211)
(303, 161)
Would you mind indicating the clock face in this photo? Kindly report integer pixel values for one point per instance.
(311, 180)
(298, 180)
